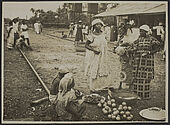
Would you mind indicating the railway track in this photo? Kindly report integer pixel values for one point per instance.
(59, 37)
(36, 102)
(78, 47)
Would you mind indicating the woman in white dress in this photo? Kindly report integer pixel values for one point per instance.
(96, 63)
(36, 28)
(10, 36)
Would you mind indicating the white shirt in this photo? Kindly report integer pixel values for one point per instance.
(15, 27)
(23, 27)
(159, 30)
(131, 22)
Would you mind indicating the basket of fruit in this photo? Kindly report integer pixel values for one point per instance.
(92, 98)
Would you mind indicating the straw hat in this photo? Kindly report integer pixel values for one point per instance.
(145, 27)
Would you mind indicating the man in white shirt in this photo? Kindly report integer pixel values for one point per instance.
(160, 33)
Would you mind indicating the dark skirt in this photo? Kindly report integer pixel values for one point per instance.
(113, 35)
(79, 35)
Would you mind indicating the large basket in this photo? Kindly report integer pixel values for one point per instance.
(126, 96)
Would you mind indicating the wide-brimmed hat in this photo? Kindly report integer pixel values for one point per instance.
(94, 22)
(145, 27)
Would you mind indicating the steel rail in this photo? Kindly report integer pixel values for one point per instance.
(39, 78)
(60, 37)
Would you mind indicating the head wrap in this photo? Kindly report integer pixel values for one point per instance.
(145, 27)
(97, 21)
(63, 69)
(66, 83)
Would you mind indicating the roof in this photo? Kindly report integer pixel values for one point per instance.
(134, 8)
(158, 9)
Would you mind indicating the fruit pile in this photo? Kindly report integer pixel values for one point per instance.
(114, 111)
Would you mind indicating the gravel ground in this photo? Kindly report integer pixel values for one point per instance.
(21, 86)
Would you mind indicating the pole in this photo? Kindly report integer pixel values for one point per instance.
(42, 83)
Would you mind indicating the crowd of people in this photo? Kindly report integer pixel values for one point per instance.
(17, 34)
(137, 59)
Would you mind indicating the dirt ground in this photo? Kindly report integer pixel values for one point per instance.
(21, 86)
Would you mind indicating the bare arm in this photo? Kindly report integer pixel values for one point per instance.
(87, 46)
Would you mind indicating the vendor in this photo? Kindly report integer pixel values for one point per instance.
(68, 106)
(55, 83)
(143, 62)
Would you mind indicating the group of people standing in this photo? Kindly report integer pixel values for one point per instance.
(79, 30)
(141, 52)
(139, 55)
(16, 38)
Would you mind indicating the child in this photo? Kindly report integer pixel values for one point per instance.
(68, 107)
(124, 51)
(64, 35)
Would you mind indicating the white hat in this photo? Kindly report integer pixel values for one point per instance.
(97, 21)
(63, 69)
(160, 24)
(145, 27)
(80, 21)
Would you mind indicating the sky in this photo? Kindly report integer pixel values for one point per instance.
(22, 9)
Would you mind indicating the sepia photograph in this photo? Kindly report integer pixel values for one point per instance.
(84, 62)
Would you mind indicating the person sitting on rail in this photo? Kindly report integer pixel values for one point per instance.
(21, 42)
(24, 29)
(64, 35)
(68, 104)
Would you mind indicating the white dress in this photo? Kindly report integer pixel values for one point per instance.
(10, 40)
(24, 33)
(96, 66)
(75, 30)
(36, 27)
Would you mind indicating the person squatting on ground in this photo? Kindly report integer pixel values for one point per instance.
(63, 35)
(143, 61)
(64, 98)
(10, 36)
(20, 44)
(24, 30)
(96, 58)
